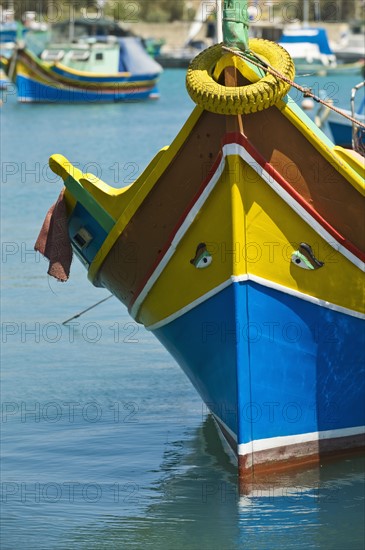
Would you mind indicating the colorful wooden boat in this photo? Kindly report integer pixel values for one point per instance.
(115, 69)
(241, 247)
(10, 32)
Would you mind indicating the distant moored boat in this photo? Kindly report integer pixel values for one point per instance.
(94, 71)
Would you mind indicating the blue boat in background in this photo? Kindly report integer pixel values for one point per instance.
(81, 61)
(310, 49)
(113, 69)
(344, 132)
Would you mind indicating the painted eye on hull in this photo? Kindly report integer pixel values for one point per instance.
(204, 261)
(202, 257)
(298, 259)
(305, 258)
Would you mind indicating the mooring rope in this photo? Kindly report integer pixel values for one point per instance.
(305, 91)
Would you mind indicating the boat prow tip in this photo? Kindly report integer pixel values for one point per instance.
(61, 166)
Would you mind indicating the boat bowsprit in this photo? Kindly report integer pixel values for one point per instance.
(241, 247)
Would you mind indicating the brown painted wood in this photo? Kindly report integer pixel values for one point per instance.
(233, 122)
(317, 181)
(144, 240)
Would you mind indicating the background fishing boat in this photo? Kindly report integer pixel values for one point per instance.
(310, 49)
(10, 32)
(96, 71)
(202, 33)
(342, 129)
(100, 27)
(233, 247)
(90, 65)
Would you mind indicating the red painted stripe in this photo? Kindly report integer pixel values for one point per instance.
(233, 138)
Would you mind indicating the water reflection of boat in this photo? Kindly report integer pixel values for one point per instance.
(307, 509)
(197, 501)
(234, 248)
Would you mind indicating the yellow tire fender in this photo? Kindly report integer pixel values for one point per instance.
(230, 100)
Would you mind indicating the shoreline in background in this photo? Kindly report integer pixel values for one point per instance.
(175, 34)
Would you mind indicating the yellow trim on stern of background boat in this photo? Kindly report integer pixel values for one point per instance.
(88, 73)
(23, 70)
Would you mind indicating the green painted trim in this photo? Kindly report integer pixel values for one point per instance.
(88, 202)
(235, 24)
(295, 108)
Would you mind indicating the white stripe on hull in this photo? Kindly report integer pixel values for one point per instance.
(283, 441)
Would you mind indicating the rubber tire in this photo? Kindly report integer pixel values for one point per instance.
(229, 100)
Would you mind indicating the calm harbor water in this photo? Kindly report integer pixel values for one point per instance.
(105, 443)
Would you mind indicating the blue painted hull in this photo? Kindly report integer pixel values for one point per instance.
(341, 132)
(269, 364)
(30, 91)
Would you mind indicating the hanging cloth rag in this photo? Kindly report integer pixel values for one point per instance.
(54, 241)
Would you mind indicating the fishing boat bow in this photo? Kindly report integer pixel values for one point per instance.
(241, 247)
